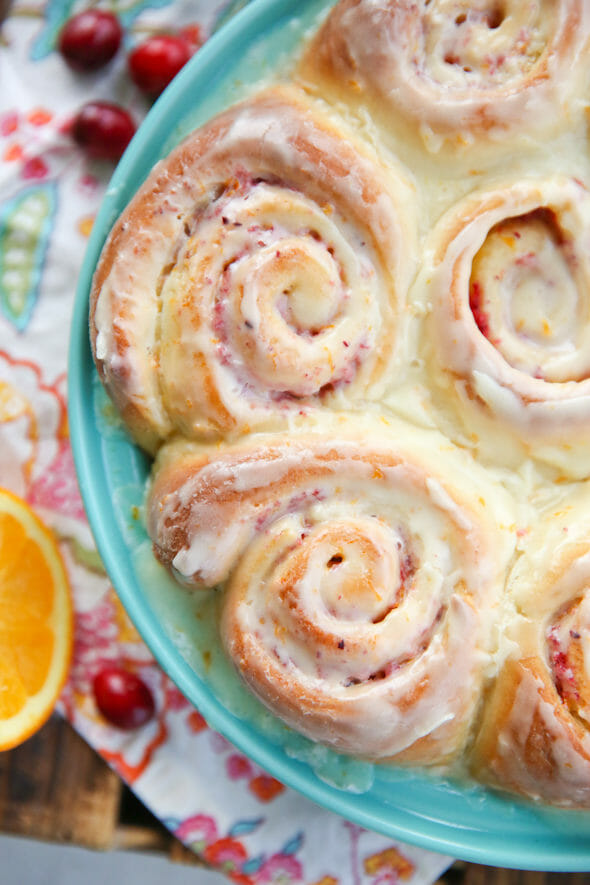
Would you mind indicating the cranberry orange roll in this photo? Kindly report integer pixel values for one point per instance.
(362, 565)
(261, 268)
(456, 69)
(535, 735)
(510, 287)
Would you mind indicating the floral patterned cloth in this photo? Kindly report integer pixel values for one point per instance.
(239, 819)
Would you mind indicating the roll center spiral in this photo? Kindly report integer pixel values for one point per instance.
(479, 44)
(289, 304)
(356, 568)
(528, 297)
(298, 281)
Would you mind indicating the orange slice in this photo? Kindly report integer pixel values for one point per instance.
(35, 621)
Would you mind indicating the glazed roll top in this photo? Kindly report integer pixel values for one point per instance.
(459, 71)
(261, 269)
(361, 566)
(510, 324)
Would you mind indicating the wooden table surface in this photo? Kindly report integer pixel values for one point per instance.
(56, 788)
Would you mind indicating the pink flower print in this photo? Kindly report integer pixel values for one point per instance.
(219, 744)
(89, 184)
(95, 644)
(35, 167)
(8, 123)
(198, 831)
(175, 700)
(238, 766)
(280, 869)
(57, 489)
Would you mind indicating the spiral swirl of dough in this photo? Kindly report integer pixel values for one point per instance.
(361, 571)
(535, 735)
(460, 70)
(261, 269)
(510, 286)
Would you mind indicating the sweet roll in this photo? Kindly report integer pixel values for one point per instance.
(509, 281)
(261, 269)
(362, 564)
(459, 71)
(535, 733)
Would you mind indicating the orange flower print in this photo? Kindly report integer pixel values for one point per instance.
(265, 787)
(13, 153)
(228, 854)
(39, 117)
(195, 722)
(389, 866)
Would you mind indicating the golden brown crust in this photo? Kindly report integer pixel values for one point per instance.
(359, 579)
(534, 737)
(188, 328)
(362, 561)
(463, 71)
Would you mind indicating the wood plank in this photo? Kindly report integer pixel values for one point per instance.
(461, 873)
(55, 787)
(139, 830)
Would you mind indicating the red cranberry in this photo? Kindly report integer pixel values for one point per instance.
(155, 62)
(104, 130)
(90, 39)
(122, 697)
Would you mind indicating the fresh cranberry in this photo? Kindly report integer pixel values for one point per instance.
(104, 130)
(155, 62)
(122, 697)
(90, 39)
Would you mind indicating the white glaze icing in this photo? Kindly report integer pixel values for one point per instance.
(355, 567)
(458, 70)
(540, 743)
(510, 288)
(427, 541)
(201, 311)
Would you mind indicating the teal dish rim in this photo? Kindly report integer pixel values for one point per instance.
(469, 822)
